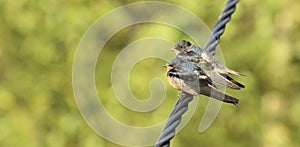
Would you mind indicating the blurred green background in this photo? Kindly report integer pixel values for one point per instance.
(38, 43)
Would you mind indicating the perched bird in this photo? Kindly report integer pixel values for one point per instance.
(188, 77)
(218, 72)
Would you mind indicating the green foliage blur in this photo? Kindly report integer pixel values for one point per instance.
(39, 40)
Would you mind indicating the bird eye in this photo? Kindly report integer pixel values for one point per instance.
(188, 43)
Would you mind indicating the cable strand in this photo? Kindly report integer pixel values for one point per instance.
(219, 28)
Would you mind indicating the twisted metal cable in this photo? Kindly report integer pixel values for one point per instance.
(181, 106)
(220, 26)
(174, 119)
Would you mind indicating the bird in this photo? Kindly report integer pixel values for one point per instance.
(189, 78)
(218, 72)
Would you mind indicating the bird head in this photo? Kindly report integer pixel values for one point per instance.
(181, 46)
(175, 64)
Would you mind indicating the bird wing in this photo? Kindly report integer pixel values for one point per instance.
(219, 95)
(205, 85)
(224, 80)
(233, 81)
(222, 69)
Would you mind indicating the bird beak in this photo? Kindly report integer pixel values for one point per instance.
(168, 67)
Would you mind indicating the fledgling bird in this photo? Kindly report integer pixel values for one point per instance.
(213, 68)
(188, 77)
